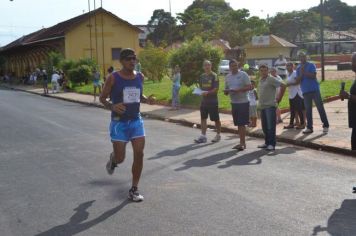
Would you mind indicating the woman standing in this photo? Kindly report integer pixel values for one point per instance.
(296, 102)
(175, 88)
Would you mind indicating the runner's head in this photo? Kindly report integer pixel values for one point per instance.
(353, 61)
(302, 57)
(177, 69)
(207, 66)
(234, 66)
(128, 59)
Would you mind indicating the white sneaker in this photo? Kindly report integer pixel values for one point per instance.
(134, 195)
(216, 138)
(325, 130)
(307, 131)
(270, 148)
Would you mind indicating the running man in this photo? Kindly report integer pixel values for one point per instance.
(125, 88)
(209, 83)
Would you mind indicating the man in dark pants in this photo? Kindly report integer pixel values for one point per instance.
(352, 106)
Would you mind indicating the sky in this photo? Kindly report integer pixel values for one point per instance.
(20, 17)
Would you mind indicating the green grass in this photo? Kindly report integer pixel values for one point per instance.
(163, 92)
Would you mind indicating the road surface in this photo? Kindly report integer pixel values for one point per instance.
(53, 180)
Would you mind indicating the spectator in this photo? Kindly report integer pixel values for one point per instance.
(306, 76)
(296, 101)
(110, 70)
(352, 105)
(278, 111)
(280, 64)
(267, 103)
(209, 84)
(54, 80)
(253, 98)
(44, 81)
(237, 85)
(96, 82)
(138, 66)
(175, 88)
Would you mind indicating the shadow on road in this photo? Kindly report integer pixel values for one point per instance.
(254, 158)
(179, 151)
(342, 221)
(206, 161)
(76, 223)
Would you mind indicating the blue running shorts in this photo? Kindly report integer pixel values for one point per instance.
(125, 131)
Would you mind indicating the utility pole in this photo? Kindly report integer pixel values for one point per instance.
(170, 27)
(91, 48)
(102, 36)
(322, 40)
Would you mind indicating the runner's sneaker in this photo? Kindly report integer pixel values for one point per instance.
(270, 148)
(134, 195)
(262, 146)
(201, 139)
(110, 166)
(307, 131)
(216, 138)
(325, 130)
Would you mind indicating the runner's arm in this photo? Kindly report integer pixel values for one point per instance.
(144, 99)
(109, 83)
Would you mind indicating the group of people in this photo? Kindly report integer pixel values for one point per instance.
(248, 97)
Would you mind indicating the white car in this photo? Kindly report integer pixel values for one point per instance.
(224, 67)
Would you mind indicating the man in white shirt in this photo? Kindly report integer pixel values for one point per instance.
(54, 80)
(280, 64)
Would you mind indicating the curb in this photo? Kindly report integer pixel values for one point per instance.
(186, 123)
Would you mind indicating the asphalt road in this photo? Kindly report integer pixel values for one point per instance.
(53, 180)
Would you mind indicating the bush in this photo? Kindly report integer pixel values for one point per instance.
(66, 65)
(79, 74)
(190, 58)
(154, 62)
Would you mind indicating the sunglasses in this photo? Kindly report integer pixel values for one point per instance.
(133, 58)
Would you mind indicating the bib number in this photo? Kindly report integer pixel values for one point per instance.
(132, 95)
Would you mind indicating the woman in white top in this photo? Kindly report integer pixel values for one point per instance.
(296, 101)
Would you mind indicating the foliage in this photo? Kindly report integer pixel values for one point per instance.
(163, 27)
(190, 58)
(79, 74)
(67, 65)
(343, 16)
(154, 61)
(296, 25)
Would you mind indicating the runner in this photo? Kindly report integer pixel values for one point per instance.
(125, 87)
(209, 83)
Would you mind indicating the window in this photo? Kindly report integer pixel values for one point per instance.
(115, 53)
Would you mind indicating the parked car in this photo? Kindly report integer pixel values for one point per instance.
(224, 67)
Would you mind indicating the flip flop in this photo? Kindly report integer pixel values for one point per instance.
(239, 147)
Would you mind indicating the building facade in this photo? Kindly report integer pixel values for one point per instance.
(99, 35)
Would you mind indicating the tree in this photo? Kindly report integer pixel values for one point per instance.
(79, 74)
(237, 27)
(190, 58)
(342, 15)
(154, 61)
(163, 27)
(296, 25)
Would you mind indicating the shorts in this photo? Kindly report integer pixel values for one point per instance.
(125, 131)
(240, 113)
(253, 111)
(212, 111)
(96, 83)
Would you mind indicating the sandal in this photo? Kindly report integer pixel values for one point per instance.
(239, 147)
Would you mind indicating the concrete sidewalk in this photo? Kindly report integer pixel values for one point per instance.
(337, 140)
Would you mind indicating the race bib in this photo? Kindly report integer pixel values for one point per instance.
(132, 95)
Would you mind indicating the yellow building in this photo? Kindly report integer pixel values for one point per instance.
(266, 49)
(99, 35)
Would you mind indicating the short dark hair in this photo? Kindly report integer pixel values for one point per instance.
(232, 61)
(263, 66)
(126, 53)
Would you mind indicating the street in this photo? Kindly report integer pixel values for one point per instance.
(54, 182)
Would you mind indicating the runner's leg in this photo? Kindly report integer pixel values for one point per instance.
(119, 151)
(138, 145)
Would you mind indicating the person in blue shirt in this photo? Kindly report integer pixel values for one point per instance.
(175, 88)
(125, 89)
(306, 77)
